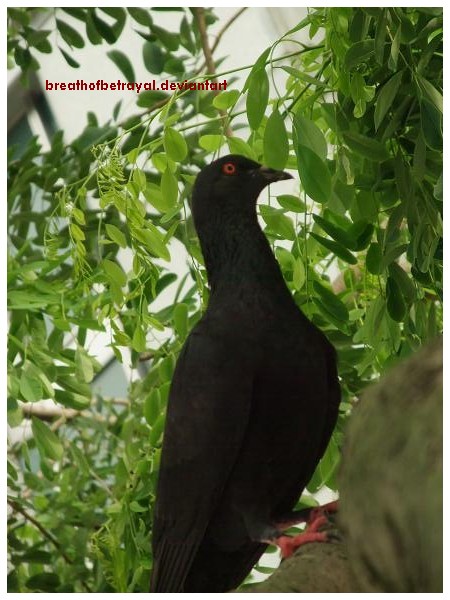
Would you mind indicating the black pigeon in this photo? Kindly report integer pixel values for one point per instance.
(253, 401)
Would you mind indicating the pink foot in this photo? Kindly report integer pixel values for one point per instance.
(314, 524)
(288, 544)
(322, 511)
(317, 518)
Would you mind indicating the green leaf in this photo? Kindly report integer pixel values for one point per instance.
(278, 222)
(374, 257)
(180, 320)
(380, 36)
(361, 92)
(134, 506)
(303, 23)
(139, 342)
(114, 272)
(331, 302)
(123, 63)
(79, 459)
(45, 47)
(336, 249)
(337, 233)
(157, 430)
(69, 34)
(276, 143)
(43, 582)
(26, 300)
(394, 223)
(309, 135)
(210, 142)
(149, 98)
(303, 76)
(438, 189)
(298, 274)
(404, 281)
(174, 144)
(428, 90)
(365, 146)
(394, 300)
(30, 386)
(431, 121)
(238, 146)
(162, 162)
(12, 472)
(259, 64)
(386, 97)
(292, 203)
(35, 38)
(72, 400)
(170, 40)
(314, 174)
(21, 15)
(186, 37)
(116, 235)
(78, 215)
(91, 31)
(69, 60)
(154, 57)
(152, 408)
(359, 53)
(329, 463)
(153, 240)
(106, 31)
(360, 108)
(169, 188)
(84, 367)
(392, 254)
(154, 196)
(395, 48)
(76, 232)
(47, 441)
(420, 158)
(141, 16)
(73, 384)
(257, 97)
(360, 233)
(226, 100)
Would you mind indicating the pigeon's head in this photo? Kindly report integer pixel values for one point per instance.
(231, 183)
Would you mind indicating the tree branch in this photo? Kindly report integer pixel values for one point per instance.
(314, 568)
(199, 15)
(17, 508)
(227, 26)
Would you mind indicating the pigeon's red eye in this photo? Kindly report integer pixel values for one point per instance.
(229, 168)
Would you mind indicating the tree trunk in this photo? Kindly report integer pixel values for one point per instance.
(390, 516)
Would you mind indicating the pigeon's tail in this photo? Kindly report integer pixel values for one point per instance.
(171, 566)
(218, 571)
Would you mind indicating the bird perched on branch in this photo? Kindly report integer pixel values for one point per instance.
(253, 401)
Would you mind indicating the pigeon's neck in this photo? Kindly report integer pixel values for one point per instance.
(238, 257)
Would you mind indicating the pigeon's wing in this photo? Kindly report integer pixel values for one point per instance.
(333, 399)
(208, 410)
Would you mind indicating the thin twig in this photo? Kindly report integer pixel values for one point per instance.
(62, 415)
(17, 508)
(226, 26)
(199, 15)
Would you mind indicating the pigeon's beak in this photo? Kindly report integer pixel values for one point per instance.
(272, 174)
